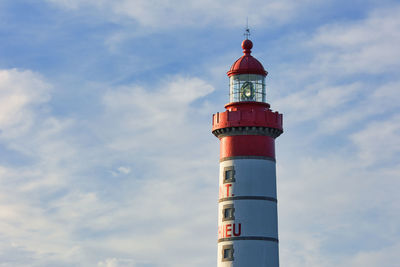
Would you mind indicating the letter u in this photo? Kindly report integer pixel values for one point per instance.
(234, 229)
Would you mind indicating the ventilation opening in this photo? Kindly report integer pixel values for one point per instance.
(229, 174)
(228, 212)
(227, 253)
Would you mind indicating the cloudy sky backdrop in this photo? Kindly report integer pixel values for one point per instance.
(106, 153)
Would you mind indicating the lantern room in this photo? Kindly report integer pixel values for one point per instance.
(247, 77)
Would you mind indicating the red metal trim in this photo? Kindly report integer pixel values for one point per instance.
(247, 64)
(247, 145)
(247, 105)
(247, 114)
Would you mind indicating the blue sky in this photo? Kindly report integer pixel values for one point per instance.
(106, 151)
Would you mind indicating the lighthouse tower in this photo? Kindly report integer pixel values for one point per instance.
(247, 205)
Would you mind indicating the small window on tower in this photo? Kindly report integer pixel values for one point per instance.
(228, 212)
(229, 174)
(227, 253)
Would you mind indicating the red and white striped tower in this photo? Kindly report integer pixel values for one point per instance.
(247, 209)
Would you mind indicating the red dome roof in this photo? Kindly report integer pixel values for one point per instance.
(247, 64)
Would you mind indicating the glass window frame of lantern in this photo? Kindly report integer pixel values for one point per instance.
(247, 87)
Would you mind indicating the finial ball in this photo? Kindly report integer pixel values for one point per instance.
(247, 44)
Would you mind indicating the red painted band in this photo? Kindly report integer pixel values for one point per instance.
(247, 145)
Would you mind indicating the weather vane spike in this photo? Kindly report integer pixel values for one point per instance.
(247, 31)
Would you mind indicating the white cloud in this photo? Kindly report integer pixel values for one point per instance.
(369, 102)
(179, 13)
(379, 141)
(75, 4)
(338, 162)
(388, 256)
(158, 115)
(317, 100)
(343, 210)
(368, 46)
(61, 207)
(42, 166)
(346, 57)
(124, 170)
(114, 262)
(20, 92)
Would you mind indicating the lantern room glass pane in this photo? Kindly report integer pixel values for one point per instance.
(247, 87)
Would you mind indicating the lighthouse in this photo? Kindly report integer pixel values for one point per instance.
(247, 203)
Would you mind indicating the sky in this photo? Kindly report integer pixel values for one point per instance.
(106, 152)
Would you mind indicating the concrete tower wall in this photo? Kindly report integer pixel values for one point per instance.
(252, 231)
